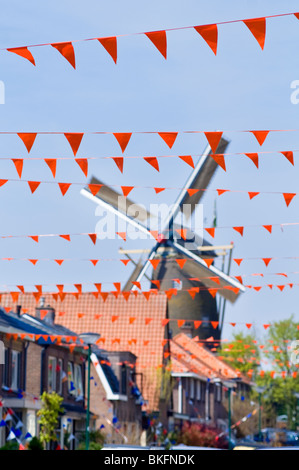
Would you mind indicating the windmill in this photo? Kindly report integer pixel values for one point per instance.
(194, 272)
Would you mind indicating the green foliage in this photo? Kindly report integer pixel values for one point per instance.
(35, 444)
(10, 445)
(49, 415)
(200, 435)
(96, 441)
(239, 353)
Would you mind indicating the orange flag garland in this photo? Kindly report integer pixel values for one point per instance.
(168, 137)
(123, 139)
(23, 52)
(110, 44)
(28, 139)
(52, 163)
(74, 139)
(213, 139)
(210, 34)
(159, 40)
(67, 51)
(257, 26)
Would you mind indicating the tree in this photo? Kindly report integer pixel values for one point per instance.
(242, 353)
(49, 416)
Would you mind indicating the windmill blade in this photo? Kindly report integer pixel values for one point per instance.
(122, 207)
(146, 265)
(198, 268)
(199, 179)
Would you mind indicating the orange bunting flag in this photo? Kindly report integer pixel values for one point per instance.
(21, 289)
(254, 157)
(104, 295)
(159, 40)
(110, 44)
(126, 295)
(211, 231)
(114, 318)
(268, 228)
(156, 283)
(219, 159)
(146, 294)
(67, 51)
(137, 284)
(266, 261)
(213, 139)
(23, 52)
(33, 185)
(98, 286)
(52, 162)
(18, 162)
(94, 188)
(182, 232)
(249, 325)
(125, 261)
(126, 190)
(168, 137)
(208, 261)
(192, 292)
(79, 288)
(64, 187)
(260, 136)
(122, 235)
(288, 197)
(213, 292)
(119, 161)
(187, 159)
(252, 195)
(215, 324)
(60, 287)
(27, 139)
(281, 288)
(74, 139)
(221, 191)
(83, 164)
(131, 320)
(181, 262)
(257, 26)
(154, 263)
(238, 261)
(240, 230)
(2, 182)
(34, 238)
(93, 237)
(289, 156)
(66, 237)
(59, 261)
(117, 286)
(159, 190)
(181, 323)
(191, 192)
(123, 139)
(165, 321)
(197, 323)
(148, 320)
(153, 162)
(94, 261)
(210, 34)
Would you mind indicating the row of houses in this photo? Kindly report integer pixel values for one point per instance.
(141, 373)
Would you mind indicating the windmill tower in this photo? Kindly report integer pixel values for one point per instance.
(194, 272)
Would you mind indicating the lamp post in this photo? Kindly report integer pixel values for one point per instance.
(89, 339)
(260, 390)
(297, 404)
(230, 384)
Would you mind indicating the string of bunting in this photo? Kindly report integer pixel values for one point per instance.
(208, 32)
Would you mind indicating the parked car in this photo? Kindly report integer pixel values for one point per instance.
(278, 437)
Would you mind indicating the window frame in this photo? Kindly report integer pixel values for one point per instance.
(53, 370)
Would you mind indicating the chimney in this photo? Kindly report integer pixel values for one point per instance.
(45, 313)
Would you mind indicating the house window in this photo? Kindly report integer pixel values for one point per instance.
(52, 362)
(15, 370)
(59, 369)
(78, 380)
(198, 390)
(176, 284)
(70, 379)
(5, 369)
(191, 388)
(218, 393)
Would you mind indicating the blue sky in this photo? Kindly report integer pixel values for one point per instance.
(242, 88)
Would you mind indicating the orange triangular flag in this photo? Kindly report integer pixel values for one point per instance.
(260, 136)
(126, 190)
(98, 286)
(83, 164)
(213, 138)
(252, 195)
(18, 162)
(34, 237)
(125, 261)
(219, 159)
(156, 283)
(288, 197)
(192, 292)
(110, 44)
(2, 182)
(23, 52)
(182, 232)
(52, 162)
(126, 295)
(289, 156)
(152, 161)
(257, 26)
(221, 191)
(191, 192)
(66, 237)
(78, 287)
(208, 261)
(94, 188)
(114, 318)
(122, 235)
(131, 319)
(268, 227)
(59, 261)
(209, 33)
(94, 261)
(148, 320)
(64, 187)
(67, 51)
(93, 237)
(154, 262)
(147, 294)
(117, 286)
(266, 260)
(74, 139)
(159, 40)
(187, 159)
(123, 139)
(239, 229)
(27, 139)
(215, 324)
(21, 289)
(215, 279)
(197, 324)
(119, 161)
(159, 190)
(181, 323)
(254, 157)
(181, 262)
(33, 185)
(239, 278)
(211, 231)
(168, 137)
(137, 284)
(238, 261)
(281, 288)
(249, 325)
